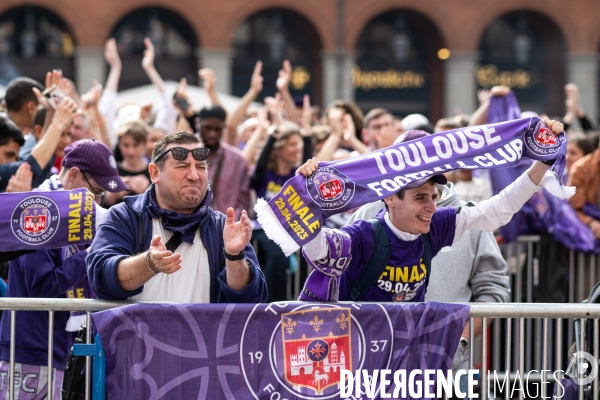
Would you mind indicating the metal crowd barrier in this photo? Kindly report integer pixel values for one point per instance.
(513, 317)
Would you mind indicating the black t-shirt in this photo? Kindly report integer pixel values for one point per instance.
(124, 172)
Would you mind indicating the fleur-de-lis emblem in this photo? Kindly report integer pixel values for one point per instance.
(316, 323)
(289, 326)
(343, 321)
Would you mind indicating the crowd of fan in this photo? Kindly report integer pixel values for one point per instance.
(253, 150)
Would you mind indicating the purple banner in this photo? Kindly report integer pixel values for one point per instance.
(248, 351)
(293, 217)
(46, 220)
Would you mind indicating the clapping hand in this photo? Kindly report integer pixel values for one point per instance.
(236, 235)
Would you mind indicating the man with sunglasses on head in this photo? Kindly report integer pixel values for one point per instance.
(167, 244)
(55, 273)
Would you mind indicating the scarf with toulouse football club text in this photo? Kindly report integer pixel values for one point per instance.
(294, 216)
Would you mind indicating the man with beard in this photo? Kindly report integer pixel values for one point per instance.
(227, 167)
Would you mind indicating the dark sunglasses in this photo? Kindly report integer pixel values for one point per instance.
(181, 153)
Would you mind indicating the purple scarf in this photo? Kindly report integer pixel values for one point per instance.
(293, 217)
(186, 224)
(46, 220)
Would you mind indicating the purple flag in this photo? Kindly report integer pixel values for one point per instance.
(506, 108)
(293, 217)
(246, 351)
(46, 220)
(558, 218)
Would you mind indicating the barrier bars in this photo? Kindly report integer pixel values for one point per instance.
(50, 374)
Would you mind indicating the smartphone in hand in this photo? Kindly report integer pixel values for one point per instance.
(180, 102)
(54, 95)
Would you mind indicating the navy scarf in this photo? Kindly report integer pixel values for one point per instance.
(186, 224)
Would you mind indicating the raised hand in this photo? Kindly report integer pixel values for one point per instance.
(181, 92)
(306, 116)
(53, 78)
(572, 102)
(148, 60)
(256, 82)
(309, 167)
(208, 78)
(159, 259)
(236, 235)
(111, 54)
(499, 91)
(91, 97)
(275, 107)
(334, 118)
(556, 127)
(285, 76)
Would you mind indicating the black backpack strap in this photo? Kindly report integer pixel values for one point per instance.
(376, 264)
(174, 242)
(427, 256)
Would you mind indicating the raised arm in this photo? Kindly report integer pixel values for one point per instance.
(283, 85)
(479, 117)
(107, 105)
(46, 146)
(149, 68)
(209, 79)
(256, 86)
(257, 138)
(111, 55)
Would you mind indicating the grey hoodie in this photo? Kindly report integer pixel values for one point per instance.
(472, 269)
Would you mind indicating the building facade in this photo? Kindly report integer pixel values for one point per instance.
(422, 56)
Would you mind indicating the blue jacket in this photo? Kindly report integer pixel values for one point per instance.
(42, 274)
(127, 230)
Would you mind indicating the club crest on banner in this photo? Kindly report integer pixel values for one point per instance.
(35, 220)
(330, 188)
(540, 140)
(308, 347)
(545, 137)
(314, 356)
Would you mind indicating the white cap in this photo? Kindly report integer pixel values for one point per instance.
(413, 121)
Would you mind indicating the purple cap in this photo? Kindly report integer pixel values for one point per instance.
(410, 135)
(97, 160)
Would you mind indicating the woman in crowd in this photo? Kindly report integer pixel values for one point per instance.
(285, 150)
(133, 169)
(579, 146)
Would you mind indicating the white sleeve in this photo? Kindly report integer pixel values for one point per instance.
(100, 214)
(108, 109)
(166, 116)
(317, 248)
(497, 211)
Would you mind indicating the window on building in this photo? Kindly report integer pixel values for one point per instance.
(174, 42)
(273, 36)
(30, 34)
(525, 51)
(397, 66)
